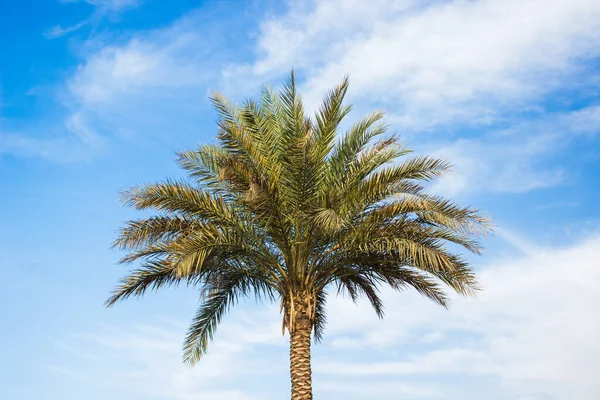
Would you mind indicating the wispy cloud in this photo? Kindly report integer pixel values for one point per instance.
(434, 62)
(102, 8)
(58, 31)
(532, 330)
(561, 205)
(154, 82)
(165, 59)
(74, 140)
(145, 359)
(111, 5)
(516, 159)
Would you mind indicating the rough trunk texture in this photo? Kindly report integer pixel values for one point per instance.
(300, 360)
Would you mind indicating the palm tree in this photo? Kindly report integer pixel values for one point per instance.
(285, 209)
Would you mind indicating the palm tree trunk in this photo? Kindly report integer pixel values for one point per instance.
(300, 360)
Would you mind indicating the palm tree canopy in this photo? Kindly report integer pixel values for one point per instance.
(286, 207)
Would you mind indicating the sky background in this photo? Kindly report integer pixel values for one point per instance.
(97, 95)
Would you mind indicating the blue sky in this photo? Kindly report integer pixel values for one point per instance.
(97, 95)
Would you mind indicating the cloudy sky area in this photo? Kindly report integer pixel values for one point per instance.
(96, 95)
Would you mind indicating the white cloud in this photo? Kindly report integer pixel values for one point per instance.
(77, 142)
(533, 330)
(434, 62)
(58, 31)
(585, 121)
(491, 166)
(516, 159)
(153, 82)
(113, 5)
(366, 391)
(102, 8)
(166, 61)
(145, 359)
(168, 68)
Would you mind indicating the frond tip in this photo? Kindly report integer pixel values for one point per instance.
(205, 323)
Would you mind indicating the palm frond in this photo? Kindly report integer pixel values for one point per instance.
(179, 198)
(208, 317)
(148, 231)
(153, 275)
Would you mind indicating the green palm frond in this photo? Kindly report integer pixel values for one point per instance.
(151, 230)
(153, 275)
(179, 198)
(217, 301)
(352, 144)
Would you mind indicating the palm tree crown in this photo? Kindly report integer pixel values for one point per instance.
(287, 208)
